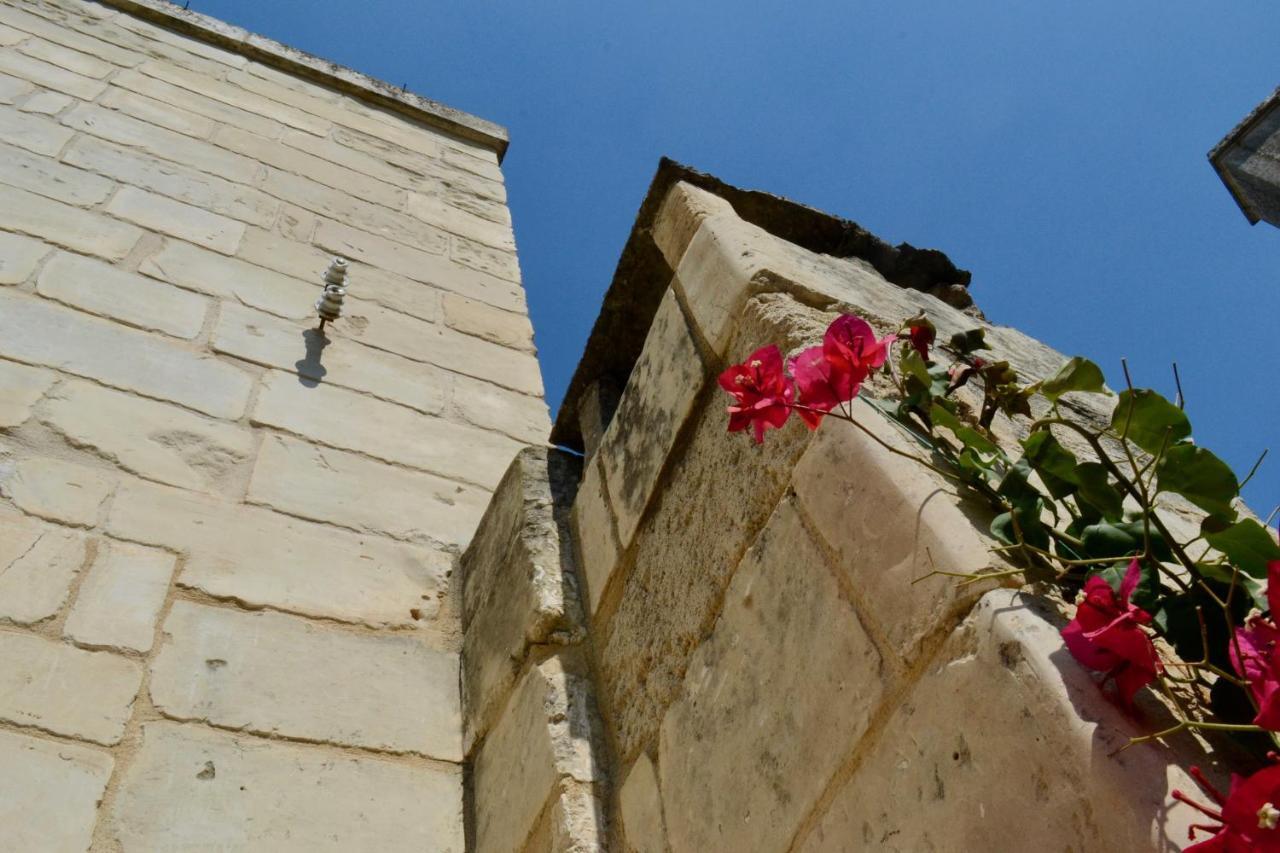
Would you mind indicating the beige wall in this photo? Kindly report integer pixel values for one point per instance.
(226, 543)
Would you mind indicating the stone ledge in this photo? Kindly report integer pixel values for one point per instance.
(343, 79)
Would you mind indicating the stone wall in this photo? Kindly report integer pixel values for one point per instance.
(770, 676)
(227, 541)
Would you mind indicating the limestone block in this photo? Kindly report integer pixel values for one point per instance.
(64, 225)
(332, 150)
(35, 133)
(46, 103)
(21, 387)
(519, 587)
(19, 257)
(654, 405)
(108, 291)
(219, 113)
(286, 80)
(522, 416)
(506, 328)
(499, 262)
(383, 150)
(263, 339)
(438, 212)
(598, 551)
(59, 33)
(475, 160)
(65, 690)
(189, 186)
(1002, 724)
(63, 57)
(219, 90)
(351, 491)
(199, 269)
(9, 36)
(121, 597)
(891, 521)
(787, 674)
(158, 142)
(50, 792)
(351, 421)
(547, 734)
(50, 178)
(680, 216)
(11, 89)
(641, 807)
(157, 112)
(274, 674)
(264, 559)
(38, 563)
(575, 822)
(596, 407)
(177, 219)
(427, 268)
(195, 789)
(183, 44)
(149, 438)
(48, 76)
(56, 490)
(39, 332)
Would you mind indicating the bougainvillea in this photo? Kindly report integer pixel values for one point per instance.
(1077, 506)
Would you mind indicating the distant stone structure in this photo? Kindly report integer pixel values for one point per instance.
(1248, 161)
(266, 587)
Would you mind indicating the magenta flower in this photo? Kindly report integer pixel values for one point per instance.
(833, 373)
(1106, 634)
(1248, 817)
(762, 391)
(1255, 654)
(922, 337)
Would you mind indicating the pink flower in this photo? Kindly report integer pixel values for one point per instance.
(833, 373)
(762, 391)
(1255, 654)
(1106, 635)
(1249, 817)
(922, 337)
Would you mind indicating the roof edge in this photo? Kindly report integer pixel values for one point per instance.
(1235, 135)
(343, 79)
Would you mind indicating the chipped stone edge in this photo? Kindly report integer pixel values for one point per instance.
(341, 78)
(1229, 142)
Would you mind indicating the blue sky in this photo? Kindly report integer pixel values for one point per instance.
(1057, 151)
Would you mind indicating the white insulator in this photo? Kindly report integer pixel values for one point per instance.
(329, 305)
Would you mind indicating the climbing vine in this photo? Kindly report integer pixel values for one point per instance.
(1077, 506)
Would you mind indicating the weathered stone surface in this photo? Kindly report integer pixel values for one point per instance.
(189, 186)
(50, 792)
(641, 807)
(19, 257)
(654, 405)
(281, 562)
(218, 90)
(46, 103)
(476, 318)
(37, 565)
(436, 176)
(32, 132)
(166, 115)
(499, 262)
(440, 213)
(891, 522)
(431, 269)
(159, 142)
(519, 586)
(57, 33)
(64, 225)
(335, 152)
(197, 789)
(595, 534)
(11, 90)
(347, 420)
(218, 112)
(522, 416)
(1005, 709)
(102, 289)
(263, 339)
(276, 674)
(38, 332)
(9, 36)
(209, 272)
(71, 60)
(680, 217)
(21, 387)
(548, 732)
(121, 597)
(177, 219)
(358, 493)
(51, 179)
(788, 658)
(56, 490)
(50, 76)
(65, 690)
(574, 822)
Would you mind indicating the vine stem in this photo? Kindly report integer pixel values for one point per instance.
(849, 418)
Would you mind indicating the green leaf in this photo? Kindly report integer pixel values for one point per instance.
(1148, 418)
(967, 435)
(1033, 530)
(1078, 374)
(1254, 587)
(1097, 490)
(1248, 545)
(1121, 539)
(913, 364)
(970, 341)
(1200, 477)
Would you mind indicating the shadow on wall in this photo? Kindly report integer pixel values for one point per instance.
(310, 370)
